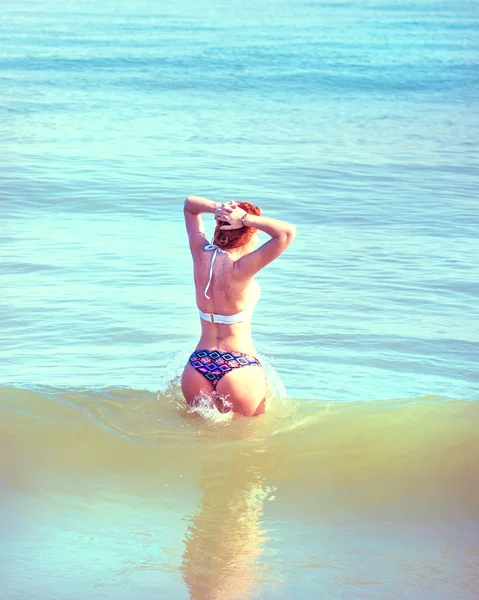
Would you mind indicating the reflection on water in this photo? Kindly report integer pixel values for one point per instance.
(225, 538)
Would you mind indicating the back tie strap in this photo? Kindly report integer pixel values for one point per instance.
(215, 249)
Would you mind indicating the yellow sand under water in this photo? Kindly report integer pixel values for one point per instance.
(235, 498)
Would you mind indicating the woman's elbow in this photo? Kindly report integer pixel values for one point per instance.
(290, 233)
(187, 204)
(286, 236)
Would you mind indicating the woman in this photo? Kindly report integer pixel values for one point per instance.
(223, 366)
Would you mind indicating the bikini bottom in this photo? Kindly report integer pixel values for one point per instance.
(215, 364)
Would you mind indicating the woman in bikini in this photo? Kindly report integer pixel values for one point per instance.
(224, 367)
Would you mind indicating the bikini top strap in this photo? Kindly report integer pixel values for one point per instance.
(215, 250)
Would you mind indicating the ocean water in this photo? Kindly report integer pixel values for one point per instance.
(359, 123)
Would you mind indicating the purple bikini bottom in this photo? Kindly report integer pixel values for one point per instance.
(215, 364)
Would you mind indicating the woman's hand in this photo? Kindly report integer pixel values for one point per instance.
(231, 214)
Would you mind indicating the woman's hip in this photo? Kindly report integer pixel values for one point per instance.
(235, 377)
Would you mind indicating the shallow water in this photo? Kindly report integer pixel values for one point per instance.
(358, 123)
(118, 492)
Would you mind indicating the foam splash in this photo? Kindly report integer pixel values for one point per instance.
(211, 407)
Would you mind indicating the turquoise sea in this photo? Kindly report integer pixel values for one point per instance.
(359, 123)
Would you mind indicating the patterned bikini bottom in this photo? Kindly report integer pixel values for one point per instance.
(215, 364)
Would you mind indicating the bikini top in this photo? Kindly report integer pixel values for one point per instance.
(243, 315)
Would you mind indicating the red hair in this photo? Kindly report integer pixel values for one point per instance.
(234, 238)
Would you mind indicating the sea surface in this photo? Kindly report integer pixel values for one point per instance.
(359, 123)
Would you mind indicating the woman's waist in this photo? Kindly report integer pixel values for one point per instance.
(239, 342)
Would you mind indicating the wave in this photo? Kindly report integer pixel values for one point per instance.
(338, 69)
(391, 453)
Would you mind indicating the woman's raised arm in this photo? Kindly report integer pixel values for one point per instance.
(192, 209)
(281, 233)
(197, 205)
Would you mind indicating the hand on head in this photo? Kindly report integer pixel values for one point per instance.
(231, 214)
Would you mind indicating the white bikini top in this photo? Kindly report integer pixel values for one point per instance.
(243, 315)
